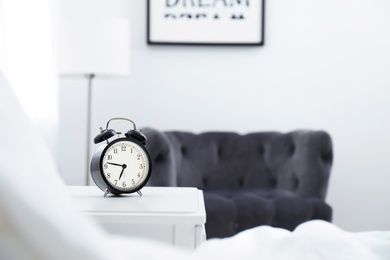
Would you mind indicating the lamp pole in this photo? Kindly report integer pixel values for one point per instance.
(89, 76)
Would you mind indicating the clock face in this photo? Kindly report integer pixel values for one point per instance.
(125, 165)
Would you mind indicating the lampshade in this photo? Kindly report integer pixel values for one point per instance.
(94, 45)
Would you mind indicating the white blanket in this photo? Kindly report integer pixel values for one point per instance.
(39, 221)
(311, 240)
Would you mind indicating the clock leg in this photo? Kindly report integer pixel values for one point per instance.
(139, 193)
(106, 192)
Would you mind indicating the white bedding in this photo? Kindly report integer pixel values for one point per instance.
(38, 220)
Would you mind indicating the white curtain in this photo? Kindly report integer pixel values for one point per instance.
(28, 59)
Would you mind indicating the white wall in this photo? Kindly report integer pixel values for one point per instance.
(324, 65)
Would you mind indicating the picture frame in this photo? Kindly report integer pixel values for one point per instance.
(205, 22)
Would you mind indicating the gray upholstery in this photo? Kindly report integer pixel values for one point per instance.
(264, 178)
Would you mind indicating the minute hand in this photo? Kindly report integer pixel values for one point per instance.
(116, 164)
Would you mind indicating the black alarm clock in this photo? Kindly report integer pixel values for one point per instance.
(121, 164)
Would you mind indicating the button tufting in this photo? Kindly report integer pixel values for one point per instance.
(292, 149)
(273, 182)
(219, 151)
(241, 182)
(159, 158)
(296, 183)
(183, 151)
(326, 157)
(261, 150)
(205, 182)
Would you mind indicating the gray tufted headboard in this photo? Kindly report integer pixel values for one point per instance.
(298, 161)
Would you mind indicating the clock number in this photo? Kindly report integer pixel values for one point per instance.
(139, 175)
(108, 175)
(133, 181)
(109, 157)
(123, 148)
(138, 157)
(115, 150)
(116, 181)
(105, 166)
(141, 166)
(124, 184)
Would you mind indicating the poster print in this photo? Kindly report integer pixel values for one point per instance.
(207, 22)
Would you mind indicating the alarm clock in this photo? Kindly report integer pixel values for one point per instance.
(121, 164)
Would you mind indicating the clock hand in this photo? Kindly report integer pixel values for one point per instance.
(120, 176)
(123, 169)
(116, 164)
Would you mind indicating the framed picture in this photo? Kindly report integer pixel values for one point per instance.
(205, 22)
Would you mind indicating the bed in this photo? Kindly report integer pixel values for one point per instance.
(39, 221)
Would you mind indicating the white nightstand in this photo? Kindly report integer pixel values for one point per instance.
(169, 214)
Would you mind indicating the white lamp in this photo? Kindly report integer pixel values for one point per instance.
(93, 46)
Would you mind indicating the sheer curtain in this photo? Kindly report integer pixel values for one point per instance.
(28, 59)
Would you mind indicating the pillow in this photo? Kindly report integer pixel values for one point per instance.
(33, 201)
